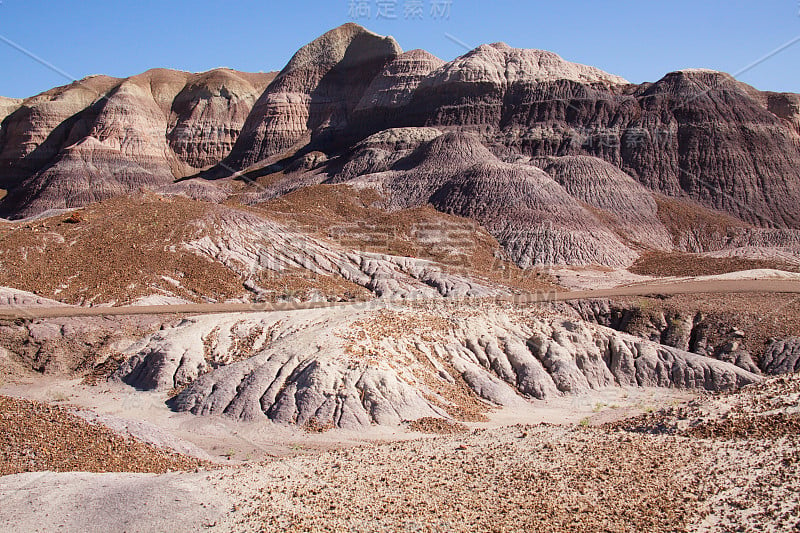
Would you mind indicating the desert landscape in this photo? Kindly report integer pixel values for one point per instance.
(380, 291)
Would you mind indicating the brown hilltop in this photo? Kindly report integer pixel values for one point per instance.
(315, 92)
(8, 106)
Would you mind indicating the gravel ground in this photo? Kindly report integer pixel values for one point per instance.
(519, 478)
(662, 264)
(728, 462)
(38, 437)
(724, 462)
(751, 465)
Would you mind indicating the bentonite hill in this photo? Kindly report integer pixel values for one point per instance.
(514, 139)
(378, 291)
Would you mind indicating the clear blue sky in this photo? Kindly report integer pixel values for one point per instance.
(640, 41)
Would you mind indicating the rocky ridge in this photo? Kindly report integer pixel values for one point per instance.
(352, 368)
(188, 250)
(258, 250)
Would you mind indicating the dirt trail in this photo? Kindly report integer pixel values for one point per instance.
(645, 289)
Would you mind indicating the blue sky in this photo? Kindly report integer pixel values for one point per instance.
(640, 41)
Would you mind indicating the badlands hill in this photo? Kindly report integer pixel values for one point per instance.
(363, 171)
(561, 163)
(406, 202)
(101, 137)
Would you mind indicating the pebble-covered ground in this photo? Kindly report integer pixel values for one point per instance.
(520, 478)
(724, 462)
(751, 465)
(37, 437)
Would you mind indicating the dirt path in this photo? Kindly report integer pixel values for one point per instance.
(670, 288)
(86, 502)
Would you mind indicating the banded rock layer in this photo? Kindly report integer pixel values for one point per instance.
(315, 93)
(8, 106)
(697, 136)
(102, 137)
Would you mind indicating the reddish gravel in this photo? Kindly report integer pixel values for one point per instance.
(680, 264)
(520, 478)
(38, 437)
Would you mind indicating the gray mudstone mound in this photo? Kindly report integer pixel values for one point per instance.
(350, 367)
(532, 216)
(782, 356)
(255, 248)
